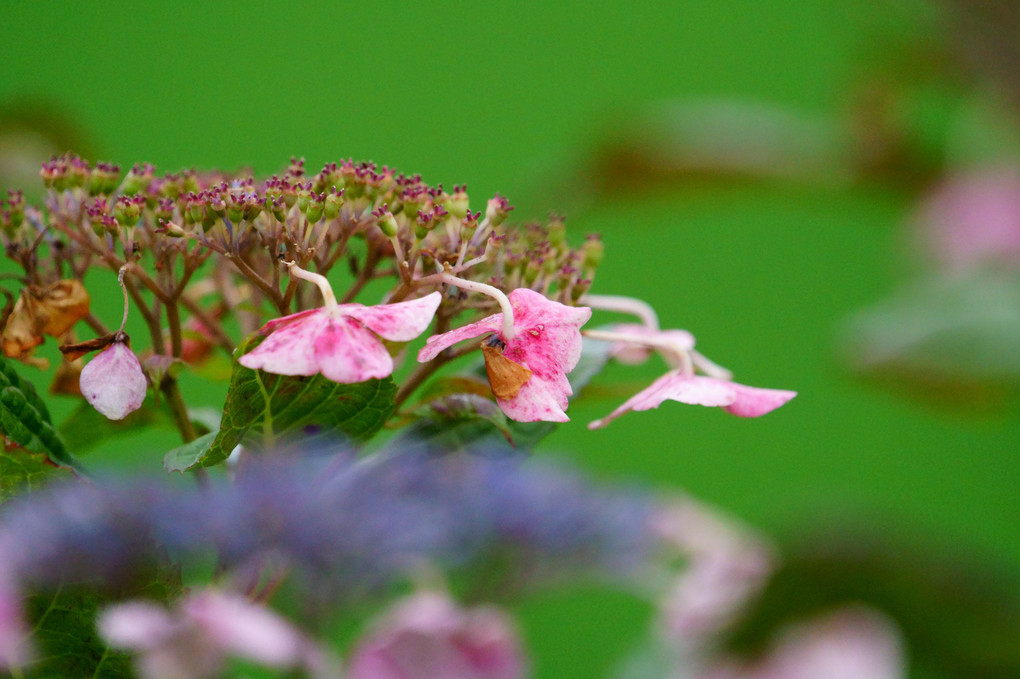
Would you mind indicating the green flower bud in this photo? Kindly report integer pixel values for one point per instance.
(334, 201)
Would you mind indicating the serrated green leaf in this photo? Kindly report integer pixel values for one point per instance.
(262, 407)
(25, 420)
(22, 471)
(187, 456)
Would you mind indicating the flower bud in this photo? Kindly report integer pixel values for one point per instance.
(15, 213)
(128, 210)
(591, 254)
(458, 203)
(138, 179)
(104, 179)
(386, 221)
(497, 210)
(113, 382)
(334, 201)
(315, 208)
(556, 232)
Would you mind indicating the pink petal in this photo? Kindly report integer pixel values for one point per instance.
(246, 630)
(538, 400)
(737, 399)
(436, 343)
(136, 625)
(290, 350)
(347, 352)
(755, 402)
(428, 637)
(113, 382)
(277, 323)
(633, 354)
(400, 322)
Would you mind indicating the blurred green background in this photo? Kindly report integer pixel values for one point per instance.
(560, 106)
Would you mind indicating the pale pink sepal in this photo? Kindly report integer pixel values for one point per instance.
(676, 385)
(547, 342)
(341, 343)
(631, 353)
(427, 636)
(113, 382)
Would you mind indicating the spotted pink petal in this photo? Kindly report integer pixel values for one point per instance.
(547, 342)
(676, 385)
(436, 343)
(400, 322)
(341, 343)
(290, 350)
(347, 352)
(113, 382)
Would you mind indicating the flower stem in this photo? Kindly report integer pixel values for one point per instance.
(327, 290)
(627, 305)
(507, 333)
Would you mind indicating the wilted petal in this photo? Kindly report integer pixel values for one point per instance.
(676, 385)
(428, 637)
(113, 382)
(400, 322)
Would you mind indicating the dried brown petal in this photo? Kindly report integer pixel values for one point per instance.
(505, 377)
(49, 310)
(75, 351)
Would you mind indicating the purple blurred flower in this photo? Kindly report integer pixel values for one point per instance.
(426, 636)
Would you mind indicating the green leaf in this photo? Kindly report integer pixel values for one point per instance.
(187, 456)
(25, 420)
(22, 471)
(65, 638)
(262, 407)
(88, 428)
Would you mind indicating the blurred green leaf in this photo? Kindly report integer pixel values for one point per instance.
(22, 471)
(25, 420)
(88, 428)
(185, 457)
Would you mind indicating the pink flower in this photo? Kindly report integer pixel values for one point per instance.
(678, 385)
(546, 343)
(196, 638)
(113, 382)
(428, 637)
(340, 341)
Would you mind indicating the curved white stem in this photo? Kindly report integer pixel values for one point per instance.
(327, 290)
(627, 305)
(497, 294)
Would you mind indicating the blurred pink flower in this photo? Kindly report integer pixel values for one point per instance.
(680, 385)
(113, 382)
(194, 640)
(852, 643)
(341, 341)
(973, 219)
(14, 646)
(427, 636)
(547, 342)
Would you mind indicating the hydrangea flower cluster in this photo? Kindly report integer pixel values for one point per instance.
(340, 300)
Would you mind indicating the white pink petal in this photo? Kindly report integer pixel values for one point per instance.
(677, 385)
(113, 382)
